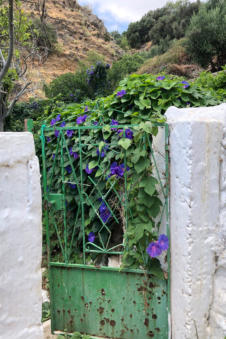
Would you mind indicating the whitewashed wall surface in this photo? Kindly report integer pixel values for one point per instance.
(20, 237)
(198, 222)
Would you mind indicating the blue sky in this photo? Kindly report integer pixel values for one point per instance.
(117, 14)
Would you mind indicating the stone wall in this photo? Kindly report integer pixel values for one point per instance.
(21, 238)
(198, 222)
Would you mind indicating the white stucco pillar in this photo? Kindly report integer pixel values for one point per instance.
(197, 230)
(20, 238)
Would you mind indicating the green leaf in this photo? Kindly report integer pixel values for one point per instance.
(101, 145)
(93, 164)
(125, 143)
(141, 165)
(149, 185)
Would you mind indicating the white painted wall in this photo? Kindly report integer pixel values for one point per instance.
(20, 238)
(198, 222)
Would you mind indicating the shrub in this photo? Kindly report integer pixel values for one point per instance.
(128, 64)
(206, 36)
(44, 35)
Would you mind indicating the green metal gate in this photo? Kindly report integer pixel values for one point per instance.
(86, 294)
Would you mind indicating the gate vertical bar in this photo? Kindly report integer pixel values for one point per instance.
(63, 190)
(82, 202)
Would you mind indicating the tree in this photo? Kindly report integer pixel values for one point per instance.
(206, 35)
(8, 73)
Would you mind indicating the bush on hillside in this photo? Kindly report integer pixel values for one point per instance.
(206, 36)
(162, 25)
(128, 64)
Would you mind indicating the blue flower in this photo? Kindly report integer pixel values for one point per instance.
(73, 186)
(86, 109)
(117, 170)
(63, 124)
(57, 133)
(53, 121)
(88, 171)
(95, 123)
(105, 214)
(58, 117)
(107, 66)
(48, 139)
(153, 249)
(68, 169)
(160, 78)
(128, 133)
(185, 83)
(81, 119)
(163, 242)
(114, 123)
(53, 156)
(70, 132)
(121, 93)
(101, 154)
(73, 154)
(91, 237)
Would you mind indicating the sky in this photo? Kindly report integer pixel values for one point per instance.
(117, 14)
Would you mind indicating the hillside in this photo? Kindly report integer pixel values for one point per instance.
(79, 32)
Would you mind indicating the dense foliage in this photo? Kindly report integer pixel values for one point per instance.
(206, 35)
(162, 25)
(141, 101)
(93, 80)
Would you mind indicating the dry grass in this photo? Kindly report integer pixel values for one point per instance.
(176, 55)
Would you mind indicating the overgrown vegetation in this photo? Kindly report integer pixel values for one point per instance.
(140, 100)
(162, 25)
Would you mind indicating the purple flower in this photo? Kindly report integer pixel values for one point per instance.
(73, 154)
(120, 132)
(153, 249)
(58, 117)
(68, 169)
(53, 156)
(91, 237)
(48, 139)
(73, 186)
(81, 119)
(57, 133)
(160, 78)
(70, 132)
(63, 124)
(108, 66)
(163, 242)
(129, 134)
(105, 214)
(101, 154)
(86, 109)
(113, 123)
(95, 123)
(53, 121)
(121, 93)
(117, 170)
(186, 84)
(88, 171)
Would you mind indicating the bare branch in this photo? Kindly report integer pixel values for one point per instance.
(25, 62)
(11, 37)
(9, 110)
(2, 57)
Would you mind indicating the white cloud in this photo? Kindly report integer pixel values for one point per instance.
(122, 12)
(126, 10)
